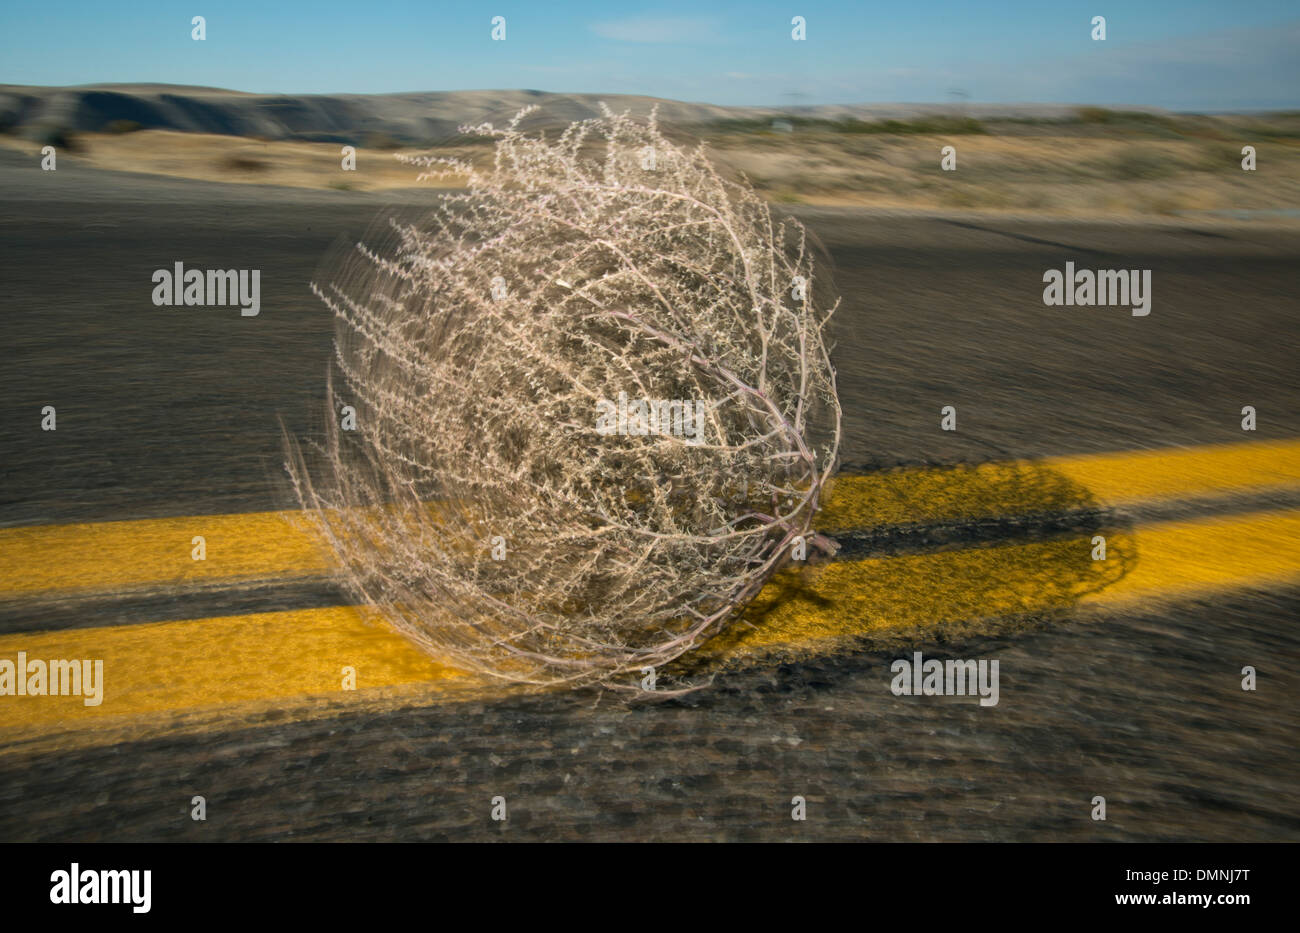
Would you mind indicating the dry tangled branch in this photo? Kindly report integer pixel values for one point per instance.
(595, 408)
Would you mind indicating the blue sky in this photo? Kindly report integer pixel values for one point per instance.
(1182, 54)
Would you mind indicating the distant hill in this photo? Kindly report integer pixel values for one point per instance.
(405, 119)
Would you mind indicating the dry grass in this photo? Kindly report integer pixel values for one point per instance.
(483, 352)
(235, 160)
(1072, 169)
(1101, 164)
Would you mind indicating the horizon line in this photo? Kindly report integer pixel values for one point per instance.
(775, 106)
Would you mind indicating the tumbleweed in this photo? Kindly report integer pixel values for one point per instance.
(594, 407)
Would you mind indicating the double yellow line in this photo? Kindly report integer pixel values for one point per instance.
(266, 546)
(215, 672)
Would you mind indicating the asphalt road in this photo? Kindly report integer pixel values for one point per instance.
(173, 411)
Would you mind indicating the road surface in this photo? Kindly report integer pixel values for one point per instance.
(1120, 680)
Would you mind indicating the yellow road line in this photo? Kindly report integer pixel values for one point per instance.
(1118, 479)
(1159, 561)
(120, 556)
(216, 662)
(1060, 484)
(157, 552)
(292, 661)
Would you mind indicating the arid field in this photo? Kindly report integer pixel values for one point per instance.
(1089, 162)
